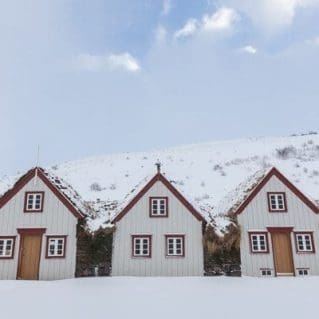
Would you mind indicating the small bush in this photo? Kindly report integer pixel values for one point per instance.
(112, 186)
(95, 187)
(286, 152)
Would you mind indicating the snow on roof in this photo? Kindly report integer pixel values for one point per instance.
(68, 191)
(139, 187)
(131, 194)
(65, 189)
(237, 196)
(234, 199)
(104, 216)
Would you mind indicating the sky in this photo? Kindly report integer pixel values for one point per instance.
(89, 77)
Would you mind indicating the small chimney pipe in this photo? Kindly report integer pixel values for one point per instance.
(158, 166)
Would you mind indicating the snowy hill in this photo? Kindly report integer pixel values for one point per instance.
(205, 173)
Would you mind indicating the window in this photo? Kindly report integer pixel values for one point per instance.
(175, 245)
(141, 245)
(266, 272)
(258, 242)
(7, 247)
(33, 202)
(304, 243)
(303, 272)
(277, 202)
(158, 206)
(56, 246)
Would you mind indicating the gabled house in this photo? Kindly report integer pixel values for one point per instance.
(158, 233)
(279, 228)
(38, 228)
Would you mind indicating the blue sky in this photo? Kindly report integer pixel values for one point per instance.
(91, 77)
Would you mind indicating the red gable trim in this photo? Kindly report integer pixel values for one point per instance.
(176, 193)
(274, 172)
(26, 178)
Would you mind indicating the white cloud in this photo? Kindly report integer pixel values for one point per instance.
(160, 34)
(313, 41)
(167, 6)
(272, 15)
(124, 61)
(221, 20)
(188, 29)
(249, 49)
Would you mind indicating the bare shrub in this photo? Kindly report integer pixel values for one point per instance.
(286, 152)
(95, 187)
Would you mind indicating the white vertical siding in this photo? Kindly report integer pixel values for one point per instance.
(137, 221)
(256, 217)
(57, 220)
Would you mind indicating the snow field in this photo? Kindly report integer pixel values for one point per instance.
(187, 298)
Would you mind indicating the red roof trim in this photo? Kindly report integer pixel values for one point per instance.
(176, 193)
(26, 178)
(274, 172)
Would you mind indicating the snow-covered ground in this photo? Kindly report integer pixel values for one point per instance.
(187, 298)
(205, 173)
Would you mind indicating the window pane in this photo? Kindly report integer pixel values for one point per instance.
(56, 247)
(141, 246)
(175, 246)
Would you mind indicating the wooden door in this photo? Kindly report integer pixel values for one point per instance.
(29, 257)
(282, 252)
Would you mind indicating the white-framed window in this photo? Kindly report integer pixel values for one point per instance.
(33, 201)
(304, 242)
(277, 202)
(175, 245)
(158, 206)
(258, 242)
(6, 247)
(56, 246)
(141, 245)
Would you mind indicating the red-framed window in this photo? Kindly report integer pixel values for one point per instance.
(33, 202)
(7, 245)
(258, 242)
(158, 206)
(56, 246)
(304, 242)
(175, 245)
(142, 246)
(277, 202)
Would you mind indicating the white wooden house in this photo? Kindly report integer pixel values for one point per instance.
(279, 228)
(158, 233)
(38, 226)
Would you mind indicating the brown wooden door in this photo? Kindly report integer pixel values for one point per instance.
(282, 252)
(29, 257)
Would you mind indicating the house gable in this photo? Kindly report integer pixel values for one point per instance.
(159, 178)
(275, 173)
(25, 179)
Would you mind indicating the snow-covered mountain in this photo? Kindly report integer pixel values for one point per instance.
(205, 173)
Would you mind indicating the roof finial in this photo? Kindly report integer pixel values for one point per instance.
(38, 156)
(37, 165)
(158, 166)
